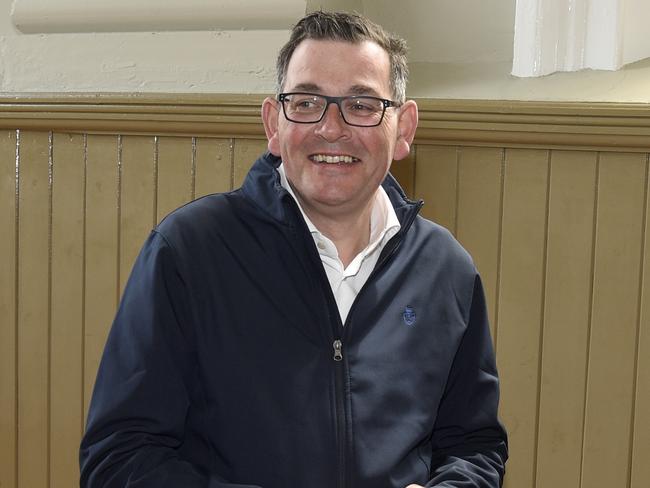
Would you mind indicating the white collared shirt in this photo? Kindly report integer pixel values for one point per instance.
(347, 282)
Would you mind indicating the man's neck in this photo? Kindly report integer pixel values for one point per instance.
(350, 233)
(348, 226)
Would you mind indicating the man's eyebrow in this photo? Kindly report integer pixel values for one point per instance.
(353, 90)
(308, 87)
(363, 90)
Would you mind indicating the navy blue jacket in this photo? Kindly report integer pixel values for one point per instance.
(221, 368)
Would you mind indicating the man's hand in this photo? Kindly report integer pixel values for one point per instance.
(415, 486)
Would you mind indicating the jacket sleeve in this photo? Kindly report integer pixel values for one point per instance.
(136, 418)
(469, 442)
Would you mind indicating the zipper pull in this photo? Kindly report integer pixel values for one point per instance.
(338, 354)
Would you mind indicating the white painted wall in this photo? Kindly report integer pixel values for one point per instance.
(459, 49)
(450, 31)
(190, 61)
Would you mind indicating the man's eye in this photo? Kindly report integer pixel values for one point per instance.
(361, 106)
(305, 104)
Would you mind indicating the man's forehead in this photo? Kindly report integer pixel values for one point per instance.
(361, 68)
(329, 47)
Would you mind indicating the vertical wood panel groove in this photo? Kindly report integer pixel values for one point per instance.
(50, 170)
(193, 171)
(499, 251)
(8, 306)
(17, 305)
(542, 318)
(457, 203)
(83, 280)
(156, 141)
(118, 229)
(638, 323)
(232, 163)
(590, 317)
(640, 470)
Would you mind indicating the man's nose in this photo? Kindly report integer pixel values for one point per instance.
(332, 126)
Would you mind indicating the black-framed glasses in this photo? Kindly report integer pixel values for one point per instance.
(310, 108)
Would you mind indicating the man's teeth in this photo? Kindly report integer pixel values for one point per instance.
(323, 158)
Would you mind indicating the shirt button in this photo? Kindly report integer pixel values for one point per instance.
(321, 245)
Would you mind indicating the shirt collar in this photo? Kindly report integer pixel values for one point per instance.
(285, 184)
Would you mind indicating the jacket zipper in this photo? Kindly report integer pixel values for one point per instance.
(339, 364)
(339, 331)
(338, 350)
(339, 391)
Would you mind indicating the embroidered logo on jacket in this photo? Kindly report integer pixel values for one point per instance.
(409, 315)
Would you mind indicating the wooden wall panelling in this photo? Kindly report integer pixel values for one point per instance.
(137, 199)
(566, 318)
(592, 361)
(213, 165)
(246, 151)
(523, 246)
(66, 365)
(479, 210)
(174, 174)
(610, 380)
(641, 428)
(436, 182)
(8, 250)
(101, 251)
(33, 309)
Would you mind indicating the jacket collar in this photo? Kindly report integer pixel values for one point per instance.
(262, 186)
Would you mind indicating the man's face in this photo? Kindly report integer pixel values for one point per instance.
(336, 69)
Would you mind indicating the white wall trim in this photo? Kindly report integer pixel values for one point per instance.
(570, 35)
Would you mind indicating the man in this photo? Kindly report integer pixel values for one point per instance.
(308, 329)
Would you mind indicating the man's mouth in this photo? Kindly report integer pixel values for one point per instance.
(333, 159)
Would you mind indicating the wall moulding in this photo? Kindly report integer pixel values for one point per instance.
(45, 16)
(568, 125)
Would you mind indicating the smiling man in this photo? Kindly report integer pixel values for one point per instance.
(308, 329)
(336, 151)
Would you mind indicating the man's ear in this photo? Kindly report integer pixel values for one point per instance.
(407, 123)
(270, 114)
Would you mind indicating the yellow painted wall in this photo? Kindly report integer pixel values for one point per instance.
(551, 201)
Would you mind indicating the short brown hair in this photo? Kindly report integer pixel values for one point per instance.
(353, 28)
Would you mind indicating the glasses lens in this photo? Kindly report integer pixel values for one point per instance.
(304, 107)
(362, 110)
